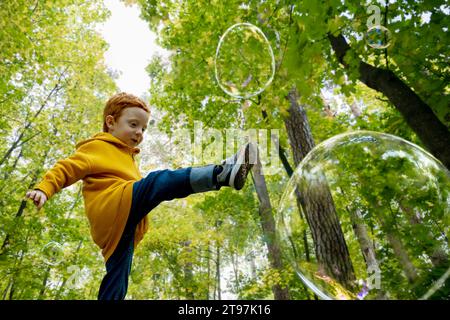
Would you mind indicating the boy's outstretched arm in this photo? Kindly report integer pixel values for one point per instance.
(63, 174)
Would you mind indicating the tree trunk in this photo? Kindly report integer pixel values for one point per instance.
(252, 264)
(44, 283)
(362, 236)
(268, 227)
(7, 240)
(16, 269)
(281, 151)
(356, 111)
(8, 286)
(8, 172)
(235, 262)
(188, 272)
(12, 290)
(290, 172)
(419, 116)
(436, 253)
(402, 256)
(219, 294)
(329, 242)
(208, 258)
(360, 230)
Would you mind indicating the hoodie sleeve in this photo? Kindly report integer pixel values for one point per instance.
(66, 172)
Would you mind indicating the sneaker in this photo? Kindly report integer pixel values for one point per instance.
(236, 168)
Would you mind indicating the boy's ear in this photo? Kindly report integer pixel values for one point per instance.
(109, 121)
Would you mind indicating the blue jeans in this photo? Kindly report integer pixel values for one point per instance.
(158, 186)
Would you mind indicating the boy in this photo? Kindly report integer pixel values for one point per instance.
(117, 198)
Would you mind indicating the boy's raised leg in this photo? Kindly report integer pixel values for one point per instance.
(165, 185)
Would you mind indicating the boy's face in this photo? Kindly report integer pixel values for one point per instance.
(130, 126)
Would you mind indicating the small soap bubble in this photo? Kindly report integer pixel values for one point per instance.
(378, 37)
(52, 253)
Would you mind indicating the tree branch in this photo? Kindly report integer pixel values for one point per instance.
(419, 116)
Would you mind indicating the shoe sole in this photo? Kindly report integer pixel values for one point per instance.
(240, 172)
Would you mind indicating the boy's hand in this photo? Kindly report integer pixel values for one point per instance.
(38, 197)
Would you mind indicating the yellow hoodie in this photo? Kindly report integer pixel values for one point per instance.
(108, 169)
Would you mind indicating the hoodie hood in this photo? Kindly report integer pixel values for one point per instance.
(108, 137)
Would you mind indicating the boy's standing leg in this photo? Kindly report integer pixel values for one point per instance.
(114, 285)
(164, 185)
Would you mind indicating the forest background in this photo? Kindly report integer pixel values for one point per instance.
(54, 84)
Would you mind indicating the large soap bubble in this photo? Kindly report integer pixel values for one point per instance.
(244, 62)
(366, 216)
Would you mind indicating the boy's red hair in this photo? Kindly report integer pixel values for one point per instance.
(121, 101)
